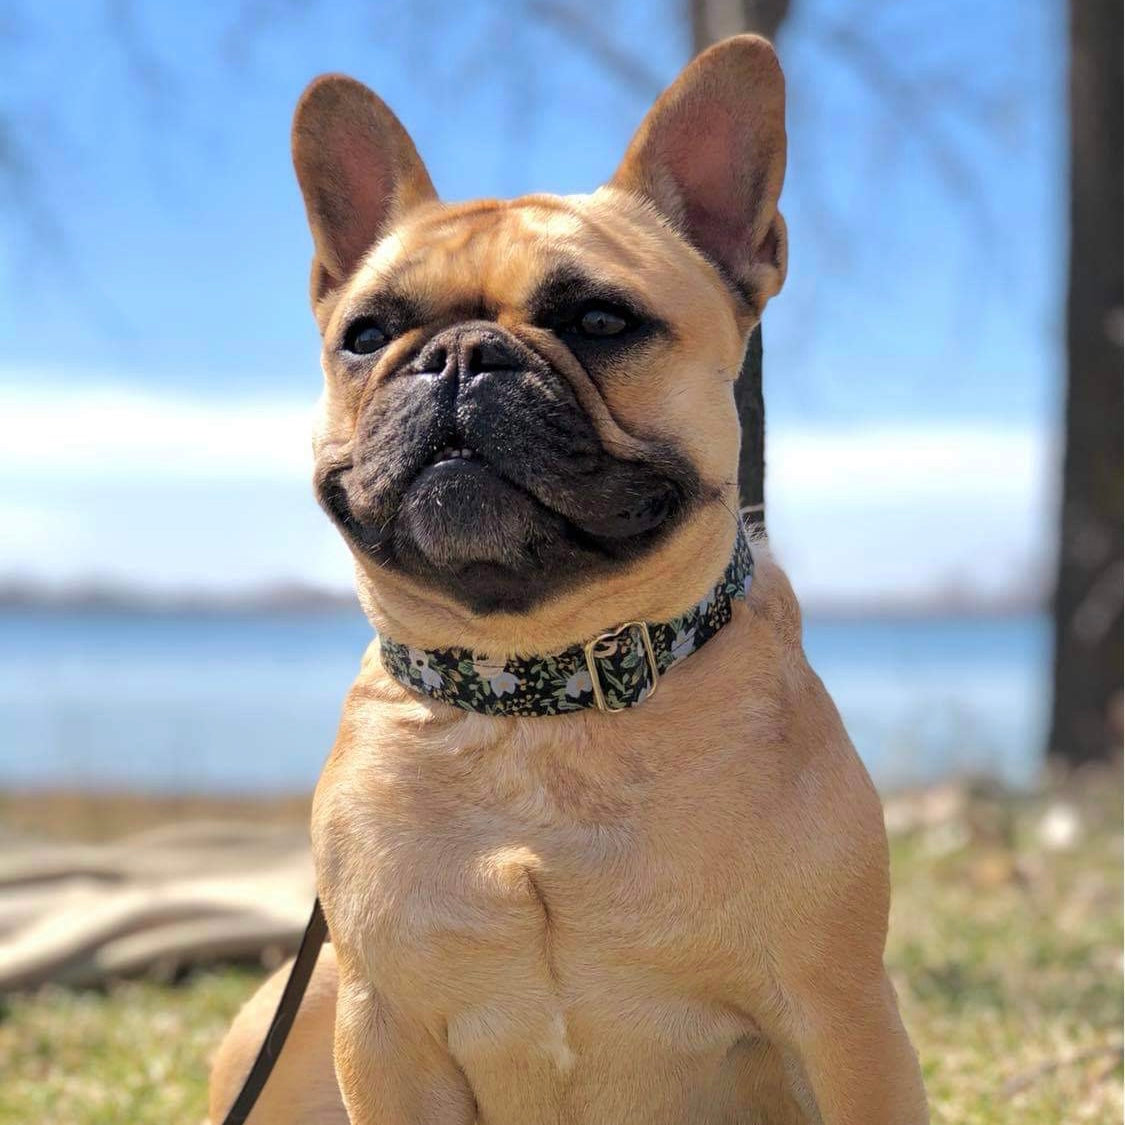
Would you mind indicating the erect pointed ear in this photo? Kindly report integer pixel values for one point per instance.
(711, 156)
(359, 173)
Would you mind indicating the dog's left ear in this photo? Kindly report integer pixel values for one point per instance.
(711, 156)
(359, 173)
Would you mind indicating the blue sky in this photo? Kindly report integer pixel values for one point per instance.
(921, 321)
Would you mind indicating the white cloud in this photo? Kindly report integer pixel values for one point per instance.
(908, 462)
(168, 490)
(112, 433)
(911, 509)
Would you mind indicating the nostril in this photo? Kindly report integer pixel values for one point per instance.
(467, 351)
(433, 360)
(488, 355)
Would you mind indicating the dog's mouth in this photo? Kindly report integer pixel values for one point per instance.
(454, 453)
(469, 493)
(461, 524)
(433, 484)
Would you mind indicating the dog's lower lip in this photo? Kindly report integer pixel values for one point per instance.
(446, 468)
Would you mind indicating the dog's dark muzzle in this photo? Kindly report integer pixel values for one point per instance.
(477, 467)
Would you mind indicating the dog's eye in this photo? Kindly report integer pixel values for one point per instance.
(364, 337)
(602, 321)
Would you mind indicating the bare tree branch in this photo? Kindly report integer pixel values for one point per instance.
(911, 106)
(145, 67)
(581, 27)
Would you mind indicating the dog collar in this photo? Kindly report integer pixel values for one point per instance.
(619, 668)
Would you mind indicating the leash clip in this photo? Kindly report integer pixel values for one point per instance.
(598, 648)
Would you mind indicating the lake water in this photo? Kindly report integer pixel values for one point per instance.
(249, 704)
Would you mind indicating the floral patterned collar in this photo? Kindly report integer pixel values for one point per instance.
(618, 669)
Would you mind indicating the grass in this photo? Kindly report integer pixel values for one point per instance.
(135, 1054)
(1006, 949)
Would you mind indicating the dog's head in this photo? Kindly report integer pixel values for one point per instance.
(528, 427)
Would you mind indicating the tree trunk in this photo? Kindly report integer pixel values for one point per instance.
(712, 20)
(1086, 720)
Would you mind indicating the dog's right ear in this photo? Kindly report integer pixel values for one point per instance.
(359, 173)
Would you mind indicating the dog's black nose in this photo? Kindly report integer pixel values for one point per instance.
(470, 349)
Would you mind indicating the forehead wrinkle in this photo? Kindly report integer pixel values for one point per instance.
(423, 259)
(486, 260)
(597, 246)
(549, 233)
(451, 219)
(495, 253)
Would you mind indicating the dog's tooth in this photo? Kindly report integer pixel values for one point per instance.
(449, 453)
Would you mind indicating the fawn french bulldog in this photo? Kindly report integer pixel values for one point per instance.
(593, 845)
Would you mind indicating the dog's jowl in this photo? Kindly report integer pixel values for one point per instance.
(593, 845)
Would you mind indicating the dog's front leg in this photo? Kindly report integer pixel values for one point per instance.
(393, 1070)
(859, 1063)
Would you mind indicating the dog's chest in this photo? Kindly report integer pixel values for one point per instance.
(547, 946)
(571, 921)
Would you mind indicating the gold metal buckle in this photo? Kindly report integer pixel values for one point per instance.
(592, 654)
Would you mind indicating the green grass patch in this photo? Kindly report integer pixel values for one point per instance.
(136, 1053)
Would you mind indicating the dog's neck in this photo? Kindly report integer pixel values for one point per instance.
(658, 586)
(618, 668)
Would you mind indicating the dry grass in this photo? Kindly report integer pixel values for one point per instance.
(1006, 948)
(78, 815)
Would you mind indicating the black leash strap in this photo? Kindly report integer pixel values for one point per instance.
(316, 934)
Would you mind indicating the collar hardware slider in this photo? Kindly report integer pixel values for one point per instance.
(605, 644)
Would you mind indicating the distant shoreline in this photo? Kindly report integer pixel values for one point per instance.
(19, 598)
(112, 599)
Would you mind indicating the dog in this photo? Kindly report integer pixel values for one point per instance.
(593, 845)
